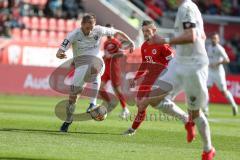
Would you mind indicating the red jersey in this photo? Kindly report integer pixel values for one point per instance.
(155, 54)
(112, 65)
(112, 45)
(155, 59)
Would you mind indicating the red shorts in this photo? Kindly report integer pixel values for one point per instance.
(146, 85)
(112, 71)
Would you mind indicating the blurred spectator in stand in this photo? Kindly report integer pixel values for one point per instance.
(5, 30)
(133, 20)
(172, 5)
(153, 10)
(162, 4)
(226, 7)
(213, 7)
(236, 8)
(202, 5)
(53, 8)
(72, 8)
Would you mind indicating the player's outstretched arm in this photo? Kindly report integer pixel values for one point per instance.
(188, 36)
(61, 54)
(125, 36)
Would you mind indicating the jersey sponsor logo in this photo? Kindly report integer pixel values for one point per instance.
(65, 43)
(154, 51)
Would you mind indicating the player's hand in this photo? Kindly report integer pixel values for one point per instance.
(132, 83)
(131, 47)
(61, 55)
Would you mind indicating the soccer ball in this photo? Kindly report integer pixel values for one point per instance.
(99, 114)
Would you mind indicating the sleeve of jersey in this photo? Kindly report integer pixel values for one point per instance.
(188, 18)
(168, 52)
(105, 31)
(67, 41)
(223, 53)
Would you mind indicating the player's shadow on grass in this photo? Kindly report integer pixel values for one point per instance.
(53, 132)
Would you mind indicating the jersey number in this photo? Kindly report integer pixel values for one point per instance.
(149, 59)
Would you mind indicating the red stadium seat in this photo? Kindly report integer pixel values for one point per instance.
(52, 23)
(35, 23)
(35, 2)
(77, 24)
(61, 25)
(43, 23)
(52, 36)
(61, 36)
(70, 25)
(34, 35)
(42, 3)
(16, 33)
(25, 35)
(26, 22)
(43, 36)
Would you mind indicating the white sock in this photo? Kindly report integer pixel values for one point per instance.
(230, 98)
(95, 87)
(204, 130)
(170, 108)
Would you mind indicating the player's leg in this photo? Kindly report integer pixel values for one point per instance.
(210, 82)
(115, 76)
(140, 117)
(125, 112)
(222, 86)
(195, 86)
(94, 73)
(76, 88)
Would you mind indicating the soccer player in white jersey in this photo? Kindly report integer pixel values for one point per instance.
(85, 43)
(216, 74)
(189, 70)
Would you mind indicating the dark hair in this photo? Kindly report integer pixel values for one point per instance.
(108, 25)
(88, 16)
(147, 22)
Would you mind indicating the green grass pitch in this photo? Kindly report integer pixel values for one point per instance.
(29, 130)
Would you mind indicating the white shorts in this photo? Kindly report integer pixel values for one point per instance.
(190, 78)
(217, 77)
(87, 69)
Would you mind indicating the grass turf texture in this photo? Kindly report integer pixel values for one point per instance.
(29, 130)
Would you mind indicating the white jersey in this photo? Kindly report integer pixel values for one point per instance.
(193, 53)
(216, 54)
(86, 45)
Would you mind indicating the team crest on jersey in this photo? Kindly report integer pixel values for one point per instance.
(154, 51)
(96, 37)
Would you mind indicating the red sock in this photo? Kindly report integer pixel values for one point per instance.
(122, 100)
(139, 119)
(104, 94)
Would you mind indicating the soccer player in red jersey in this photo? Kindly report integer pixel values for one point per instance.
(112, 57)
(151, 54)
